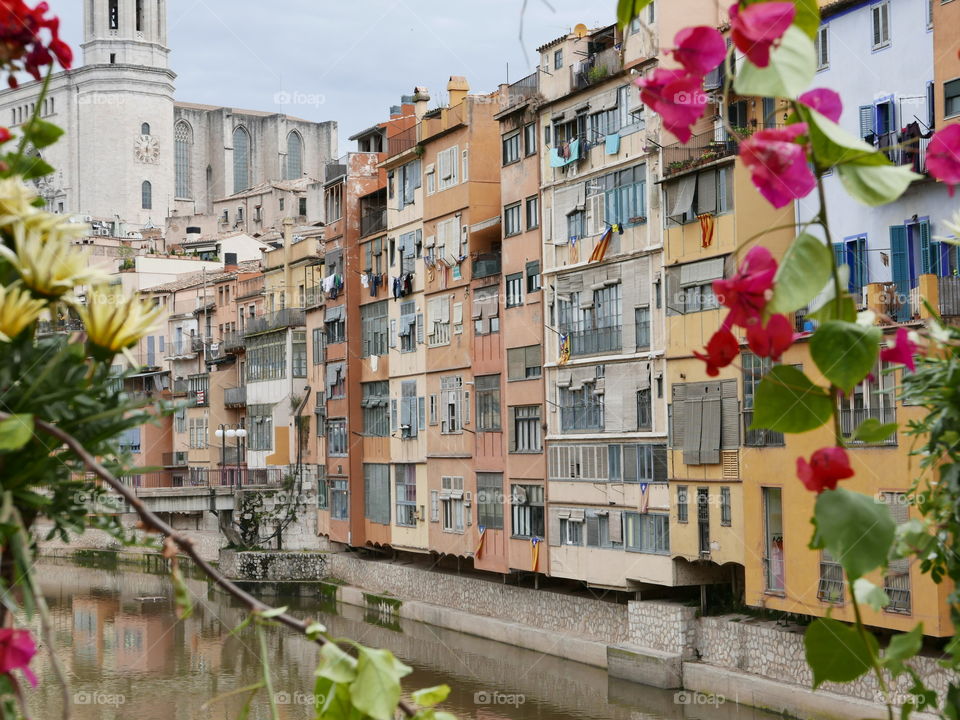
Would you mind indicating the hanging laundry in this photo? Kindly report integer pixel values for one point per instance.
(396, 288)
(375, 284)
(612, 144)
(364, 280)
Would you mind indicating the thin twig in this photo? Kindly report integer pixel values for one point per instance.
(153, 522)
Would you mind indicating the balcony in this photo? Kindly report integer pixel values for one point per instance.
(47, 327)
(581, 418)
(232, 342)
(177, 458)
(232, 456)
(181, 347)
(373, 213)
(180, 387)
(288, 317)
(904, 150)
(702, 149)
(949, 296)
(235, 396)
(335, 169)
(486, 265)
(586, 340)
(523, 89)
(852, 418)
(596, 68)
(313, 296)
(759, 437)
(250, 288)
(403, 140)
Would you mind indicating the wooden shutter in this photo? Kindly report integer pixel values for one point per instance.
(929, 263)
(512, 427)
(659, 463)
(629, 470)
(421, 413)
(899, 265)
(434, 506)
(711, 425)
(672, 301)
(593, 530)
(516, 363)
(615, 525)
(553, 527)
(420, 328)
(866, 120)
(393, 333)
(693, 407)
(730, 415)
(678, 416)
(433, 409)
(465, 414)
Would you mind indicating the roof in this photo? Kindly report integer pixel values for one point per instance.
(378, 128)
(199, 278)
(241, 111)
(296, 185)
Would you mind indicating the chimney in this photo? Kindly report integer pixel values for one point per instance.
(457, 89)
(421, 99)
(230, 262)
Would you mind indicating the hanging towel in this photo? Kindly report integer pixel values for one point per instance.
(365, 280)
(613, 144)
(555, 158)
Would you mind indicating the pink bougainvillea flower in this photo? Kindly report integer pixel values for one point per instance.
(826, 467)
(699, 49)
(749, 290)
(902, 351)
(824, 101)
(677, 97)
(757, 27)
(23, 34)
(778, 164)
(773, 340)
(722, 349)
(16, 650)
(943, 156)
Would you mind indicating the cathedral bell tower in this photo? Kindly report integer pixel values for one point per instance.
(125, 32)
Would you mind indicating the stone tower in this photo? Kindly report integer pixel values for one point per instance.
(125, 32)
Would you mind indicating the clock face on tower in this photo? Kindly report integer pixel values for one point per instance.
(147, 149)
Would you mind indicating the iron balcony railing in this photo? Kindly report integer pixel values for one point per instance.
(232, 342)
(949, 293)
(486, 266)
(178, 458)
(288, 317)
(759, 437)
(373, 220)
(180, 387)
(313, 296)
(595, 68)
(180, 347)
(523, 89)
(225, 476)
(904, 150)
(235, 396)
(232, 455)
(48, 327)
(852, 418)
(702, 149)
(403, 140)
(588, 340)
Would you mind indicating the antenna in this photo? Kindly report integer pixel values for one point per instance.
(580, 30)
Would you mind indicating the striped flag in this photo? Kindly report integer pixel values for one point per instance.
(535, 552)
(564, 349)
(483, 532)
(601, 249)
(643, 497)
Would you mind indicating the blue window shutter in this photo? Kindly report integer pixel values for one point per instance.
(840, 254)
(900, 267)
(863, 264)
(929, 262)
(151, 359)
(421, 413)
(866, 120)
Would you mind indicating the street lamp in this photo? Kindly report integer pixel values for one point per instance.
(225, 432)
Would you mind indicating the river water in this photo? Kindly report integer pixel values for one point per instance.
(128, 657)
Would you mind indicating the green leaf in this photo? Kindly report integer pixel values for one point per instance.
(808, 17)
(15, 432)
(314, 629)
(867, 593)
(376, 691)
(845, 352)
(272, 612)
(902, 647)
(912, 538)
(847, 310)
(876, 184)
(627, 10)
(428, 697)
(837, 652)
(787, 401)
(336, 665)
(183, 604)
(832, 145)
(872, 430)
(792, 67)
(856, 529)
(804, 272)
(41, 133)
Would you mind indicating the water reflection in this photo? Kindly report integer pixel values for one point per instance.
(128, 657)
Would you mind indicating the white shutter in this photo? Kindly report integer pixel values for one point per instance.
(596, 208)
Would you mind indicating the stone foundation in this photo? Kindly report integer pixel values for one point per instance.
(276, 566)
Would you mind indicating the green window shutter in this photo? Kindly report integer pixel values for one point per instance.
(899, 264)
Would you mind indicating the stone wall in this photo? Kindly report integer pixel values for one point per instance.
(556, 612)
(251, 565)
(666, 626)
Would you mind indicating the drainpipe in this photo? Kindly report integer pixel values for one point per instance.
(287, 255)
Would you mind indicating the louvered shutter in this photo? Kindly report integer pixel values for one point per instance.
(693, 407)
(711, 425)
(659, 463)
(630, 473)
(900, 269)
(420, 328)
(516, 364)
(393, 416)
(434, 506)
(928, 259)
(673, 302)
(512, 428)
(866, 120)
(593, 531)
(421, 413)
(707, 191)
(393, 333)
(553, 527)
(678, 416)
(730, 415)
(615, 525)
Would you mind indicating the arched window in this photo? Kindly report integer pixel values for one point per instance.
(146, 195)
(294, 156)
(183, 142)
(145, 129)
(241, 159)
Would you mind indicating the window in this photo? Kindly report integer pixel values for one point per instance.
(144, 128)
(512, 220)
(198, 435)
(590, 320)
(754, 368)
(575, 224)
(302, 206)
(299, 353)
(951, 98)
(406, 479)
(431, 179)
(571, 531)
(533, 276)
(580, 409)
(260, 427)
(337, 437)
(146, 195)
(339, 505)
(294, 169)
(411, 409)
(318, 346)
(332, 202)
(853, 252)
(375, 404)
(486, 311)
(451, 404)
(822, 44)
(725, 516)
(896, 581)
(451, 502)
(488, 403)
(625, 195)
(558, 59)
(183, 142)
(448, 166)
(374, 328)
(410, 327)
(708, 191)
(376, 493)
(266, 356)
(335, 328)
(524, 363)
(490, 500)
(511, 148)
(644, 409)
(690, 286)
(533, 212)
(241, 160)
(514, 290)
(880, 15)
(642, 319)
(682, 512)
(525, 429)
(705, 418)
(773, 535)
(647, 533)
(408, 180)
(831, 587)
(530, 139)
(336, 387)
(439, 319)
(114, 15)
(527, 510)
(873, 398)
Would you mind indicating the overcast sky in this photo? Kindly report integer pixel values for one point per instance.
(350, 60)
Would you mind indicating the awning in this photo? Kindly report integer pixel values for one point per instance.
(483, 225)
(336, 314)
(685, 191)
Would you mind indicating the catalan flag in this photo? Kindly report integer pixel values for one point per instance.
(601, 249)
(564, 349)
(483, 532)
(644, 498)
(535, 552)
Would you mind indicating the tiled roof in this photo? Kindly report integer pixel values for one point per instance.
(198, 278)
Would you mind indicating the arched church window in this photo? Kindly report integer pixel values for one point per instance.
(183, 142)
(241, 159)
(294, 156)
(145, 129)
(146, 193)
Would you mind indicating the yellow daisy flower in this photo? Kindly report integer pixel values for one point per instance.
(16, 201)
(114, 322)
(18, 310)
